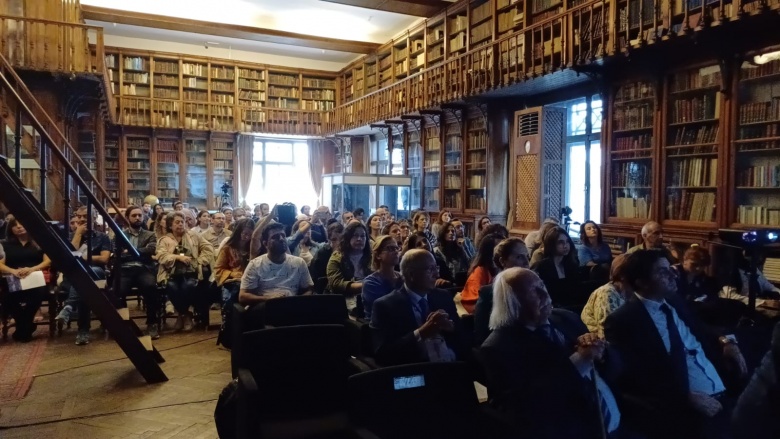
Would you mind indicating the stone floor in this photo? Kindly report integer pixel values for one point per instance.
(95, 392)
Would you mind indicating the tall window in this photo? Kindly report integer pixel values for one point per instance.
(281, 173)
(583, 159)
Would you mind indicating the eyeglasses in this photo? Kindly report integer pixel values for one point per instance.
(432, 269)
(391, 249)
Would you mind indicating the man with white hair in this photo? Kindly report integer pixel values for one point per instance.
(653, 239)
(417, 323)
(540, 364)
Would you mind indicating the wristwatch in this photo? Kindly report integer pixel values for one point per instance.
(728, 339)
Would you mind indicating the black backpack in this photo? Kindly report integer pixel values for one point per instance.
(226, 410)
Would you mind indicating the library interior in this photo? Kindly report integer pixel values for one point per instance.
(337, 215)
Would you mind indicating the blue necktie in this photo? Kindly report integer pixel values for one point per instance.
(422, 304)
(676, 346)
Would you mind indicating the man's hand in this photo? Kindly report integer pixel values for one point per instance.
(436, 322)
(184, 259)
(734, 355)
(274, 295)
(590, 346)
(23, 272)
(704, 404)
(442, 283)
(81, 230)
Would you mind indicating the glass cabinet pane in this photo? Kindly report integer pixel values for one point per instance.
(195, 151)
(138, 177)
(453, 151)
(167, 172)
(414, 168)
(432, 168)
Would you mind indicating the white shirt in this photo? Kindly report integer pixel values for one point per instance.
(702, 376)
(262, 276)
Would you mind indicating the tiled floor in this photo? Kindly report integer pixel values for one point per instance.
(94, 391)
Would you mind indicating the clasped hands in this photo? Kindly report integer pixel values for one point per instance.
(591, 347)
(436, 322)
(23, 272)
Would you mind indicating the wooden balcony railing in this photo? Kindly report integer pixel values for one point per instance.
(585, 32)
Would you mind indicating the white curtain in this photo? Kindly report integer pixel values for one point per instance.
(246, 163)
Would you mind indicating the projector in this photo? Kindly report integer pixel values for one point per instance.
(750, 238)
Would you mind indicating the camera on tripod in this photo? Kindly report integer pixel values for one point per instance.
(226, 187)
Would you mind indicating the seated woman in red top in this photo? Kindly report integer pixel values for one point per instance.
(481, 271)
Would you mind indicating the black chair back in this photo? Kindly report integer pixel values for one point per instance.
(300, 370)
(425, 400)
(305, 310)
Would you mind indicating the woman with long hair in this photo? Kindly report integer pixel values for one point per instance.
(593, 250)
(393, 229)
(385, 256)
(231, 262)
(420, 222)
(509, 253)
(481, 272)
(350, 264)
(157, 211)
(482, 223)
(443, 218)
(374, 225)
(204, 222)
(608, 297)
(21, 258)
(448, 249)
(559, 269)
(182, 257)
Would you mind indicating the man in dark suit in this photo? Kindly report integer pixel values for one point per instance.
(672, 363)
(141, 274)
(417, 323)
(540, 364)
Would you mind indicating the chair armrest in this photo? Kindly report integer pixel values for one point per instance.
(358, 366)
(246, 381)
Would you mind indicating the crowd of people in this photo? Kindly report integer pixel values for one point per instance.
(571, 342)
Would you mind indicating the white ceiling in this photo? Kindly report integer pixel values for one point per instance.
(311, 17)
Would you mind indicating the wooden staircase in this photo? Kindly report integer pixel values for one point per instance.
(57, 159)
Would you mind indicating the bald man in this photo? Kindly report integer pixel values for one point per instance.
(540, 363)
(418, 323)
(653, 239)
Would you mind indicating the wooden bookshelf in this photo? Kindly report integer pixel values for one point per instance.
(453, 163)
(475, 162)
(385, 66)
(137, 169)
(196, 160)
(631, 151)
(111, 168)
(416, 50)
(434, 41)
(457, 31)
(401, 58)
(318, 93)
(432, 166)
(690, 149)
(414, 164)
(480, 23)
(167, 171)
(756, 146)
(221, 168)
(510, 16)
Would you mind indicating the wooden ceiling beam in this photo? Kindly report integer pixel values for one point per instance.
(225, 30)
(417, 8)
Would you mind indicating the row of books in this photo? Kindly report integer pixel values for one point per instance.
(132, 90)
(286, 80)
(434, 163)
(632, 174)
(166, 67)
(192, 95)
(222, 87)
(633, 117)
(691, 206)
(452, 181)
(328, 95)
(164, 120)
(283, 103)
(138, 165)
(166, 80)
(319, 105)
(627, 143)
(509, 19)
(475, 181)
(477, 140)
(766, 176)
(135, 63)
(750, 71)
(141, 78)
(760, 111)
(195, 83)
(251, 74)
(758, 146)
(222, 72)
(223, 98)
(476, 202)
(195, 146)
(759, 215)
(694, 172)
(251, 84)
(167, 157)
(283, 92)
(138, 143)
(633, 91)
(695, 109)
(197, 161)
(452, 201)
(632, 207)
(759, 132)
(698, 78)
(692, 136)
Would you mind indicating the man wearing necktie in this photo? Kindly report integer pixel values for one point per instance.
(672, 362)
(541, 364)
(417, 323)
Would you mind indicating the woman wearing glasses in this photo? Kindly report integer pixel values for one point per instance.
(385, 256)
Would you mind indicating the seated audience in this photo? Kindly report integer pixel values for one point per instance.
(460, 234)
(452, 253)
(385, 257)
(182, 257)
(20, 256)
(653, 239)
(232, 260)
(482, 223)
(300, 243)
(593, 251)
(319, 263)
(534, 239)
(420, 223)
(417, 322)
(374, 226)
(541, 364)
(217, 232)
(393, 229)
(559, 269)
(509, 253)
(443, 218)
(204, 221)
(96, 250)
(481, 272)
(141, 274)
(275, 274)
(350, 263)
(607, 298)
(669, 360)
